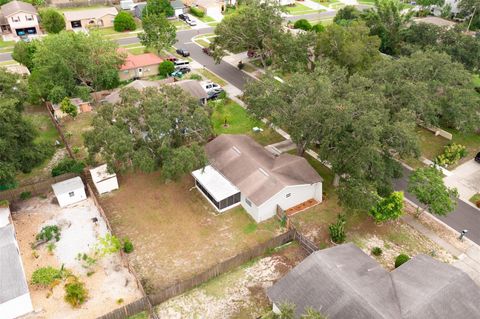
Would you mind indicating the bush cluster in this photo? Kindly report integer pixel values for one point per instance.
(377, 251)
(45, 276)
(451, 155)
(303, 24)
(127, 246)
(166, 68)
(75, 292)
(48, 233)
(401, 259)
(124, 21)
(197, 12)
(337, 230)
(68, 165)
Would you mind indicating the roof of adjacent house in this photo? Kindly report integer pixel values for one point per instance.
(12, 278)
(177, 4)
(192, 87)
(344, 282)
(142, 60)
(68, 185)
(96, 13)
(13, 7)
(256, 172)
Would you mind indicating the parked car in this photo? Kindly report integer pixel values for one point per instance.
(183, 52)
(212, 95)
(184, 70)
(211, 87)
(477, 157)
(181, 64)
(191, 23)
(183, 17)
(177, 74)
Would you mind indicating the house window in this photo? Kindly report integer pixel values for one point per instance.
(71, 194)
(288, 195)
(15, 19)
(29, 18)
(249, 203)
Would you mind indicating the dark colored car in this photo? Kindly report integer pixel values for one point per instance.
(184, 70)
(171, 58)
(477, 158)
(213, 95)
(183, 52)
(183, 17)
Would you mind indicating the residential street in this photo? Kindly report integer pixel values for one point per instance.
(464, 217)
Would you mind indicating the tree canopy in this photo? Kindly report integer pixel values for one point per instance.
(23, 53)
(52, 20)
(156, 128)
(158, 7)
(158, 32)
(124, 21)
(68, 62)
(471, 10)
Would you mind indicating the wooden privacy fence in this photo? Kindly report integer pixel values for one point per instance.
(220, 268)
(35, 189)
(128, 310)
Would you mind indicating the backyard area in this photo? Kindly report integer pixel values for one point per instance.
(230, 118)
(108, 283)
(73, 130)
(175, 230)
(240, 293)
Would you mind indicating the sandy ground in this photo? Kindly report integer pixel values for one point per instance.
(240, 293)
(110, 281)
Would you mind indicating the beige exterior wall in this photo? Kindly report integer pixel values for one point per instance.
(104, 22)
(22, 20)
(130, 74)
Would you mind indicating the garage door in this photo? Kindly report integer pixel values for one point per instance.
(26, 31)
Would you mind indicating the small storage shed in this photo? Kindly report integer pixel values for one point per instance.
(69, 191)
(104, 181)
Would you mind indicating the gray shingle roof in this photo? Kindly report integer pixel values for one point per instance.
(17, 6)
(344, 282)
(256, 172)
(12, 279)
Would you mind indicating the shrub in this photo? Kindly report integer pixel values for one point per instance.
(68, 165)
(75, 293)
(25, 195)
(127, 246)
(451, 155)
(478, 203)
(46, 276)
(48, 233)
(377, 251)
(166, 68)
(318, 28)
(302, 24)
(124, 22)
(337, 230)
(388, 208)
(109, 244)
(401, 259)
(66, 106)
(52, 20)
(195, 76)
(4, 203)
(197, 12)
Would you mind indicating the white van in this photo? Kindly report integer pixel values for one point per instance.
(181, 64)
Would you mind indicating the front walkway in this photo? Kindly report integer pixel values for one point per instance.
(466, 178)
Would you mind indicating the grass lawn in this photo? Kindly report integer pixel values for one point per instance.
(206, 19)
(4, 44)
(212, 77)
(175, 230)
(74, 129)
(249, 68)
(180, 25)
(325, 22)
(475, 198)
(240, 122)
(11, 62)
(202, 43)
(136, 50)
(299, 9)
(470, 140)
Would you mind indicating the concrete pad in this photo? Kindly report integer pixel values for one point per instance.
(466, 178)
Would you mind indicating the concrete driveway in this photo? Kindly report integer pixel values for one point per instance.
(466, 178)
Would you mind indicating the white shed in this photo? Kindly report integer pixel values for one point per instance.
(104, 180)
(69, 191)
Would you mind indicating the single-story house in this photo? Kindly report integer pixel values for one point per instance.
(192, 87)
(344, 282)
(139, 66)
(83, 19)
(14, 294)
(82, 107)
(103, 180)
(179, 7)
(19, 18)
(70, 191)
(241, 171)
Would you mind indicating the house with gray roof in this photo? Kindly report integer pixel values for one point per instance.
(242, 172)
(19, 19)
(344, 282)
(14, 294)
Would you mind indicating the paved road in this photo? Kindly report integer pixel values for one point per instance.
(464, 216)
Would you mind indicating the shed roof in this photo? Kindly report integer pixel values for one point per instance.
(13, 7)
(217, 185)
(95, 13)
(101, 173)
(344, 282)
(68, 185)
(256, 172)
(12, 278)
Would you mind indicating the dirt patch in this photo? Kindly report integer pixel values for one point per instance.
(175, 231)
(240, 293)
(110, 280)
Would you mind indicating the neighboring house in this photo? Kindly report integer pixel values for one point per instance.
(70, 191)
(344, 282)
(241, 171)
(82, 107)
(19, 18)
(179, 7)
(103, 180)
(14, 295)
(139, 66)
(191, 87)
(83, 19)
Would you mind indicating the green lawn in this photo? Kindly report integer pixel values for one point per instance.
(299, 9)
(136, 50)
(180, 25)
(240, 122)
(476, 80)
(4, 44)
(206, 19)
(212, 77)
(475, 198)
(470, 140)
(202, 42)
